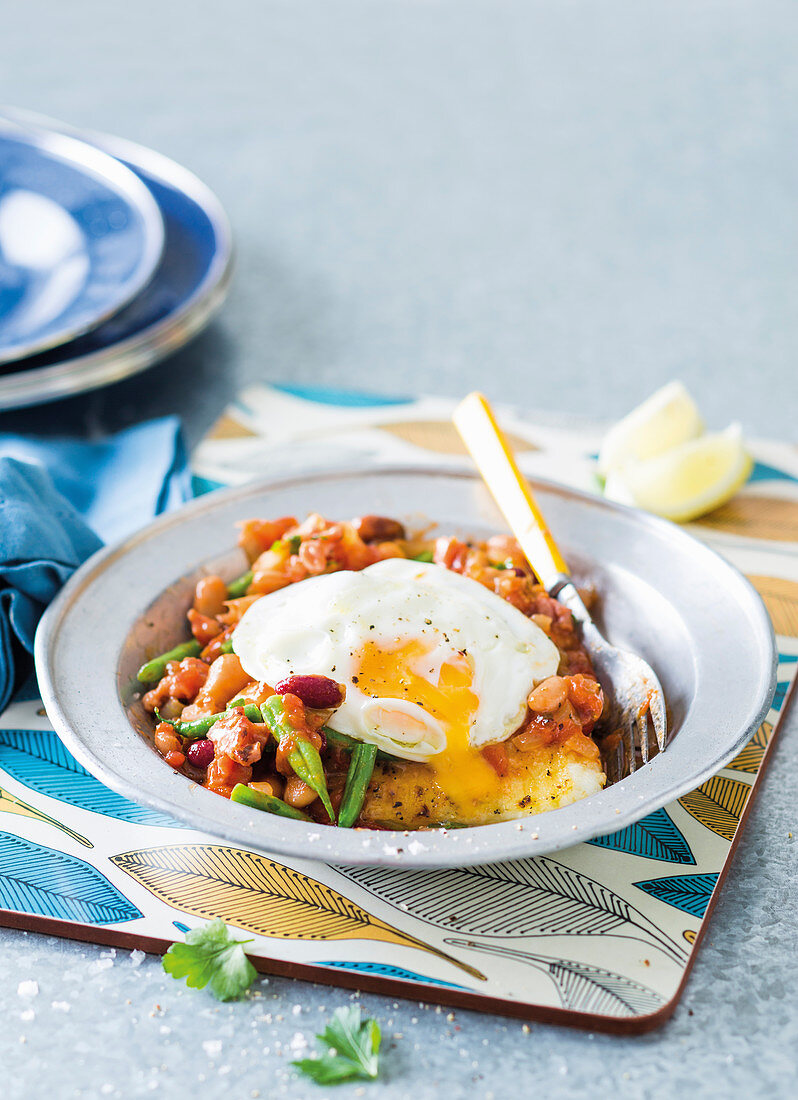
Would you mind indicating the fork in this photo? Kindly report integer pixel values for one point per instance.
(630, 684)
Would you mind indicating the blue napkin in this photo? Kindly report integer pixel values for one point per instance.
(60, 499)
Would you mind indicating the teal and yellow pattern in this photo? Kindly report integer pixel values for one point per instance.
(602, 932)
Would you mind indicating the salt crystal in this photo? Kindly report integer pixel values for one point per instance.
(299, 1042)
(27, 1015)
(28, 989)
(165, 1029)
(100, 964)
(212, 1047)
(296, 1010)
(137, 957)
(62, 1006)
(106, 1089)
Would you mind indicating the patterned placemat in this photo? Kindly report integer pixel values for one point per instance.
(601, 935)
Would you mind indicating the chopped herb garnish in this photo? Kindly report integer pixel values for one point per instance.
(210, 956)
(348, 1050)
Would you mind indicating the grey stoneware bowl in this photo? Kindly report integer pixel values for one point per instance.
(697, 621)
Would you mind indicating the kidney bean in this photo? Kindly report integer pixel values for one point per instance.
(201, 753)
(378, 528)
(318, 692)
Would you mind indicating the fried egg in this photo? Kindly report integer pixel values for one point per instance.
(436, 666)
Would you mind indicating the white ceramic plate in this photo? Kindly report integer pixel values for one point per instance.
(691, 615)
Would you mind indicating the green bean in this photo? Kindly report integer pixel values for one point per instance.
(348, 744)
(259, 800)
(340, 740)
(239, 586)
(294, 542)
(153, 670)
(304, 757)
(226, 646)
(200, 727)
(361, 769)
(425, 555)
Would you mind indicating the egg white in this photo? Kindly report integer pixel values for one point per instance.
(321, 625)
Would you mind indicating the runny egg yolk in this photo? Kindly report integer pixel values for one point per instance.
(461, 771)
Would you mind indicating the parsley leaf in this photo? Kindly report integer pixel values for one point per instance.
(349, 1050)
(210, 956)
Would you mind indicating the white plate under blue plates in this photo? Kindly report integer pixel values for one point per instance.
(80, 236)
(189, 285)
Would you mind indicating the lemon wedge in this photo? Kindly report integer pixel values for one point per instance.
(685, 481)
(666, 419)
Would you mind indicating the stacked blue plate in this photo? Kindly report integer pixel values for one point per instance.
(111, 257)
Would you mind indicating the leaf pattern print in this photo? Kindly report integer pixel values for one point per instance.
(780, 695)
(10, 804)
(655, 837)
(717, 804)
(750, 758)
(259, 895)
(533, 897)
(690, 893)
(39, 759)
(35, 879)
(754, 516)
(582, 987)
(781, 600)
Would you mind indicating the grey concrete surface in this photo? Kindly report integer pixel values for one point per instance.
(564, 203)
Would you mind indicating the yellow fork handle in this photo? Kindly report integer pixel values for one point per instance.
(486, 442)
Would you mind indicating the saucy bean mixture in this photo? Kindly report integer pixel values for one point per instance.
(270, 745)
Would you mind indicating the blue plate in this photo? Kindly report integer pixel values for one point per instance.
(189, 284)
(80, 236)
